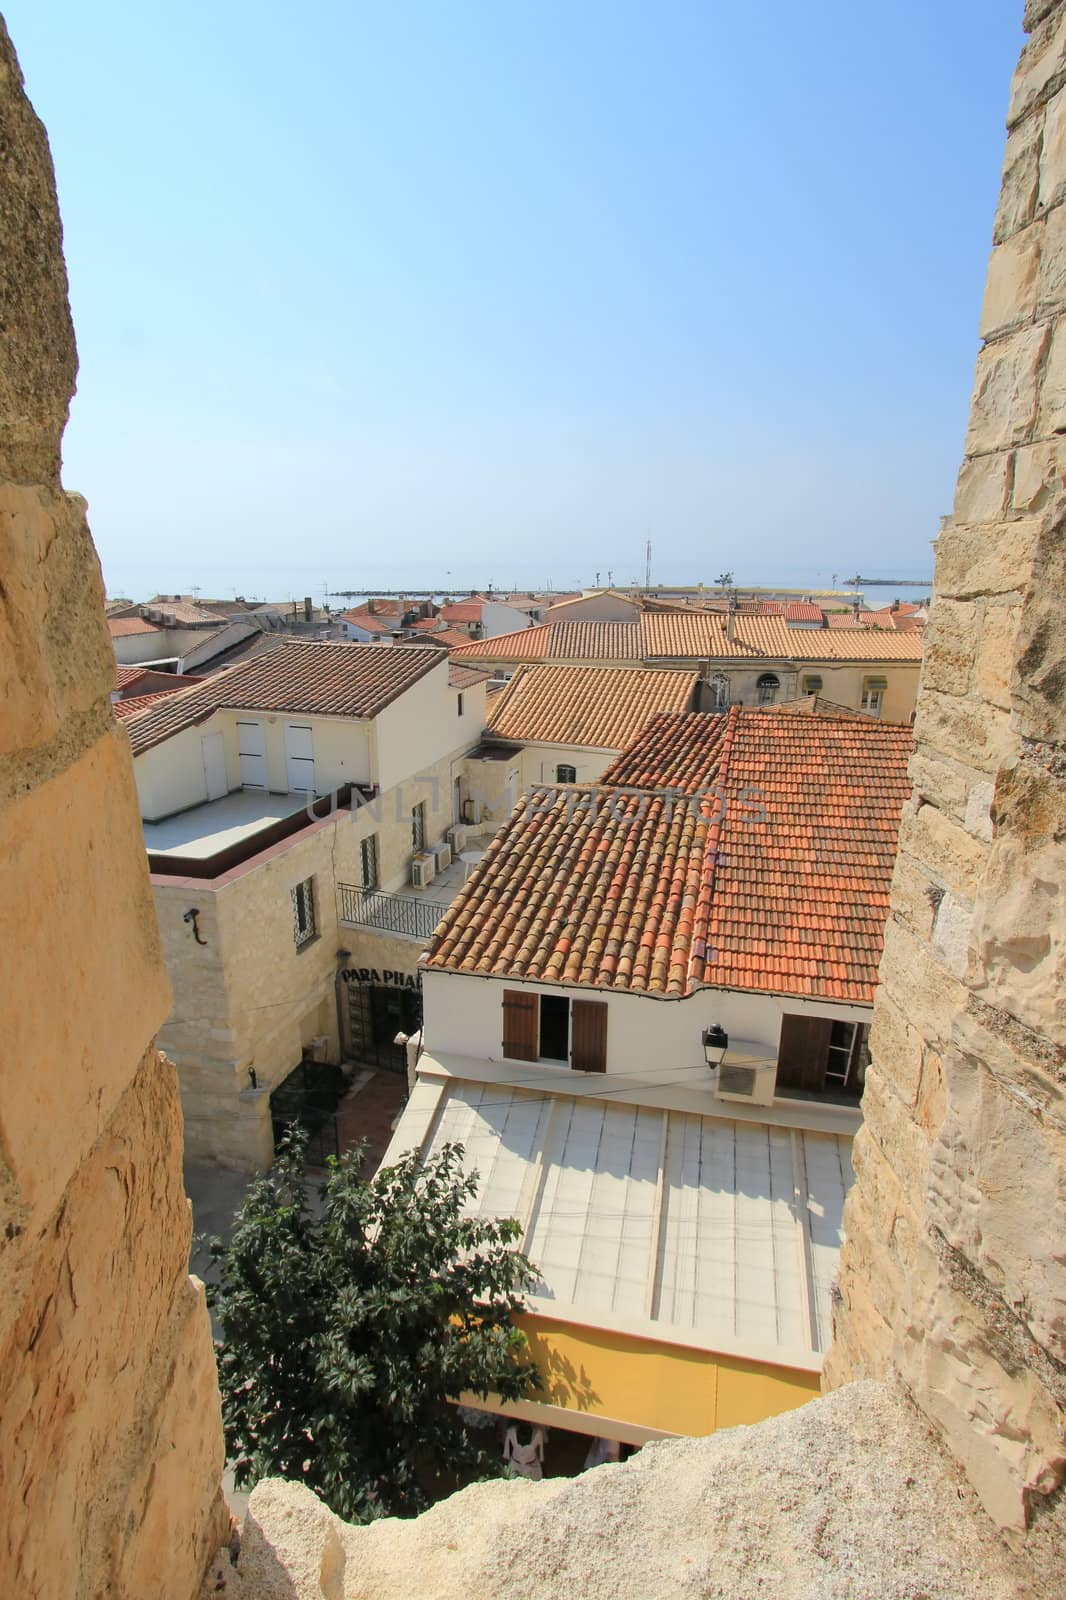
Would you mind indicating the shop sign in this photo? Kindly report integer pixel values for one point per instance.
(394, 980)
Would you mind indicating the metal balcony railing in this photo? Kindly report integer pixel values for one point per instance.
(391, 913)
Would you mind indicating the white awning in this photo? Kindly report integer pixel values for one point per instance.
(701, 1230)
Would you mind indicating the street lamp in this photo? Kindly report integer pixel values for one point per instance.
(715, 1045)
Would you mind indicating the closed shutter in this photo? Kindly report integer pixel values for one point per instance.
(520, 1025)
(803, 1052)
(588, 1035)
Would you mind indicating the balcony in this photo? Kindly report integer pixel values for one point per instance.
(411, 915)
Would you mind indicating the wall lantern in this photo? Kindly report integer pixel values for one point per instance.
(715, 1045)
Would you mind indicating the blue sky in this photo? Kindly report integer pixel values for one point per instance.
(421, 293)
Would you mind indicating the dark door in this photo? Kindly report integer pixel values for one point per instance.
(589, 1036)
(376, 1014)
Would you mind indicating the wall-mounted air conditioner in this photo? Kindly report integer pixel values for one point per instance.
(752, 1081)
(442, 855)
(457, 837)
(422, 871)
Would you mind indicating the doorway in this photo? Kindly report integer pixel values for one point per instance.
(299, 758)
(251, 745)
(376, 1014)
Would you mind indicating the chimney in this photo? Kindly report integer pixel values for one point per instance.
(308, 608)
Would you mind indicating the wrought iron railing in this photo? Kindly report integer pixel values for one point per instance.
(392, 913)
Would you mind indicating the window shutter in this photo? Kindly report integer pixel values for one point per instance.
(520, 1025)
(588, 1036)
(803, 1052)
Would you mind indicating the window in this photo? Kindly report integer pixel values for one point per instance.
(719, 687)
(565, 774)
(554, 1027)
(368, 860)
(812, 685)
(818, 1056)
(418, 826)
(303, 913)
(459, 705)
(767, 688)
(549, 1027)
(873, 695)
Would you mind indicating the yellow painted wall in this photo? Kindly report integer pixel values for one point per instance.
(655, 1385)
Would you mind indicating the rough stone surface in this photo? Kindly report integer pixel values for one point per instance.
(953, 1274)
(846, 1498)
(110, 1433)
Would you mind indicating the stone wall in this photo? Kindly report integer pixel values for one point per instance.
(953, 1273)
(110, 1432)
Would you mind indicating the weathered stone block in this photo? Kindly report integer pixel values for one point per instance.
(982, 489)
(1052, 412)
(955, 857)
(933, 996)
(950, 641)
(944, 781)
(1039, 478)
(1020, 934)
(897, 1044)
(996, 653)
(1003, 409)
(92, 881)
(1011, 286)
(1040, 69)
(967, 730)
(1052, 185)
(996, 559)
(1021, 179)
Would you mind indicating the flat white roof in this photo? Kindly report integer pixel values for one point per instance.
(204, 830)
(697, 1230)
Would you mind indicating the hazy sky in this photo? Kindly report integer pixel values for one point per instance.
(414, 293)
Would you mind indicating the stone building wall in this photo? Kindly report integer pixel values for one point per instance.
(110, 1434)
(954, 1273)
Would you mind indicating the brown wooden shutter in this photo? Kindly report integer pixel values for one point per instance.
(520, 1025)
(803, 1052)
(588, 1036)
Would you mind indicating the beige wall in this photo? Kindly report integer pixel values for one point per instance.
(112, 1440)
(842, 683)
(594, 608)
(423, 725)
(953, 1273)
(248, 998)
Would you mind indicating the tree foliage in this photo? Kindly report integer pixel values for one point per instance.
(347, 1319)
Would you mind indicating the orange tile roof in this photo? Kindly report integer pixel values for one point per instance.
(360, 617)
(526, 644)
(346, 680)
(463, 611)
(124, 627)
(799, 611)
(750, 850)
(602, 708)
(137, 702)
(124, 676)
(562, 641)
(460, 677)
(704, 637)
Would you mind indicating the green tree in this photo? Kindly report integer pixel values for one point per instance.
(346, 1325)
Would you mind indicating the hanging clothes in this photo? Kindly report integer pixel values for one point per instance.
(601, 1451)
(523, 1450)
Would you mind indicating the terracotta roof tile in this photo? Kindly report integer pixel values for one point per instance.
(462, 677)
(603, 708)
(137, 702)
(705, 638)
(749, 850)
(348, 680)
(800, 611)
(562, 641)
(124, 627)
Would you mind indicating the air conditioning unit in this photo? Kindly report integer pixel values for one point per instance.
(442, 855)
(457, 837)
(422, 871)
(753, 1081)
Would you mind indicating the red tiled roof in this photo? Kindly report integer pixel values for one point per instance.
(427, 625)
(148, 680)
(360, 617)
(526, 644)
(124, 627)
(137, 702)
(770, 872)
(704, 637)
(561, 641)
(602, 708)
(463, 611)
(347, 680)
(125, 676)
(800, 611)
(460, 677)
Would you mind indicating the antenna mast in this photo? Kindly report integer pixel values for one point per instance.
(647, 565)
